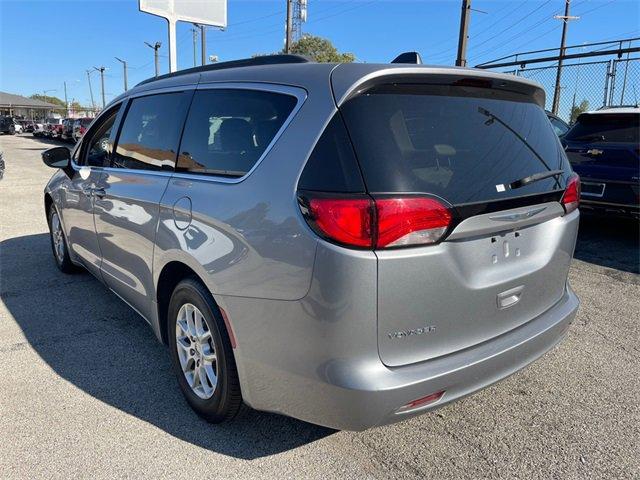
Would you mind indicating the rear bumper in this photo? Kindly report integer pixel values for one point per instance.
(356, 394)
(610, 208)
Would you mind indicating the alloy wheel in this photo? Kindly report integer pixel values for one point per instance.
(196, 351)
(57, 237)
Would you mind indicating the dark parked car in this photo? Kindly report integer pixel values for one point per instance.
(7, 125)
(27, 126)
(604, 149)
(559, 126)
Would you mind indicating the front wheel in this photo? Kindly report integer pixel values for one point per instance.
(59, 243)
(201, 353)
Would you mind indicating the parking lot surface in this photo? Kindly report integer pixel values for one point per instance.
(87, 391)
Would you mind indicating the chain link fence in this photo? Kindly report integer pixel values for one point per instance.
(588, 85)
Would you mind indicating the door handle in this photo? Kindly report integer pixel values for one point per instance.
(99, 192)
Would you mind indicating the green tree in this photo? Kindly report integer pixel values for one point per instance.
(578, 109)
(321, 50)
(48, 99)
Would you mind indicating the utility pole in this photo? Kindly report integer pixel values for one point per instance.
(101, 70)
(93, 103)
(156, 46)
(289, 32)
(194, 33)
(66, 102)
(124, 66)
(565, 21)
(461, 59)
(203, 43)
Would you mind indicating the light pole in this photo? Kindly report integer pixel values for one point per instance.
(101, 70)
(93, 103)
(44, 94)
(156, 46)
(124, 66)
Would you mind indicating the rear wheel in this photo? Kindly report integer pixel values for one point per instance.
(59, 243)
(201, 353)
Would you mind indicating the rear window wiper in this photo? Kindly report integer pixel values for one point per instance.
(531, 179)
(492, 117)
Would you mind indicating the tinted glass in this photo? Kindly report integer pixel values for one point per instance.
(97, 150)
(559, 127)
(228, 130)
(150, 132)
(465, 144)
(332, 166)
(606, 127)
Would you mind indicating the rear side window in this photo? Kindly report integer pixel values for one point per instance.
(228, 130)
(464, 144)
(614, 127)
(332, 166)
(151, 131)
(559, 127)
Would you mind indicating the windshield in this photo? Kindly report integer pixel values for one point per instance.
(607, 127)
(464, 144)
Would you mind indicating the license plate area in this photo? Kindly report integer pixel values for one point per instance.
(590, 189)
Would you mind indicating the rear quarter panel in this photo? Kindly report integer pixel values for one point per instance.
(249, 236)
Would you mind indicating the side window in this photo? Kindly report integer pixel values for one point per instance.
(332, 166)
(150, 132)
(227, 130)
(559, 127)
(96, 150)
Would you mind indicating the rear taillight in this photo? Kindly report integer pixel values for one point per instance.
(410, 221)
(571, 197)
(386, 222)
(344, 220)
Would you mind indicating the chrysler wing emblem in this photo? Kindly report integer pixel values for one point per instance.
(514, 217)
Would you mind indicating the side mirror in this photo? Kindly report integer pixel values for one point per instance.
(57, 157)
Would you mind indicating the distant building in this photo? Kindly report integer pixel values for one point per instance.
(19, 106)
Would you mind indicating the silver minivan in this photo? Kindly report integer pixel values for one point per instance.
(350, 245)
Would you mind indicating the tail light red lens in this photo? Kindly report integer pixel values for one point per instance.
(377, 223)
(571, 197)
(345, 220)
(410, 221)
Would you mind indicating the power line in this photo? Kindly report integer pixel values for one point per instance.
(555, 28)
(525, 17)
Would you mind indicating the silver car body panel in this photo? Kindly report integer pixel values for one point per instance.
(312, 319)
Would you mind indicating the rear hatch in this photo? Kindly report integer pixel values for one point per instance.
(604, 149)
(504, 258)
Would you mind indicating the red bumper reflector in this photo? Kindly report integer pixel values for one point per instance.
(421, 402)
(232, 337)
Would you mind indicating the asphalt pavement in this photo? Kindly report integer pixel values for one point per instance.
(86, 391)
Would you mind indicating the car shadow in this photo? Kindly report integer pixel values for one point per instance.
(609, 242)
(93, 340)
(54, 142)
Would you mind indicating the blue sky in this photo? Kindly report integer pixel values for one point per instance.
(45, 42)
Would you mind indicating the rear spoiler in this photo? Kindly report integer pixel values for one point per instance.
(349, 80)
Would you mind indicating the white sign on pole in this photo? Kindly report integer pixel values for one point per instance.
(204, 12)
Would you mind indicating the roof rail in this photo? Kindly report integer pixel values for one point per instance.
(245, 62)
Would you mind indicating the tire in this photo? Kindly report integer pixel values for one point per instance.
(215, 403)
(59, 245)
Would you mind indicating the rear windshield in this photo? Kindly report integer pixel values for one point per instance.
(606, 127)
(464, 144)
